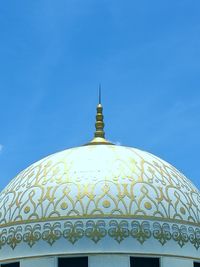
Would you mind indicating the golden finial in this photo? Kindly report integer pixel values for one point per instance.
(99, 135)
(99, 119)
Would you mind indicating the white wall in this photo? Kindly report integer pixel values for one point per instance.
(176, 262)
(106, 261)
(109, 261)
(42, 262)
(94, 261)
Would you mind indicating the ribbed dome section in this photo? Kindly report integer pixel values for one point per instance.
(100, 198)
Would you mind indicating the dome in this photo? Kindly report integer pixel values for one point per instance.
(100, 198)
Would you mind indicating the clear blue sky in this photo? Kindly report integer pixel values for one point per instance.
(53, 54)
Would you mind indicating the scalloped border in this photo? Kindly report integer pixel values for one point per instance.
(95, 230)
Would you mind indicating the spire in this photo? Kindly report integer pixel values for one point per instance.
(99, 119)
(99, 135)
(99, 93)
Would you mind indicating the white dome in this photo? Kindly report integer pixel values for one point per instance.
(100, 199)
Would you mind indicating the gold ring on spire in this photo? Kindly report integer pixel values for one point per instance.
(99, 135)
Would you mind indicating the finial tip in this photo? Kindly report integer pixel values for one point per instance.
(100, 94)
(99, 135)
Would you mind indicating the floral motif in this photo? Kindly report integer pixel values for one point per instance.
(141, 231)
(96, 230)
(51, 232)
(32, 234)
(161, 232)
(73, 232)
(3, 237)
(137, 184)
(14, 236)
(119, 230)
(137, 198)
(180, 234)
(194, 237)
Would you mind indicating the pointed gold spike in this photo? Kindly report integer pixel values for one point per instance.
(99, 93)
(99, 119)
(99, 135)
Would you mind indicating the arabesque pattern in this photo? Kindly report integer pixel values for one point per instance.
(96, 230)
(100, 181)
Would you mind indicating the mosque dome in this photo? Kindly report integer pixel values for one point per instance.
(100, 198)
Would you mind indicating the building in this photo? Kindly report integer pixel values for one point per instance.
(100, 205)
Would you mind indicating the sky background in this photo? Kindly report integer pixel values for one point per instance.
(53, 55)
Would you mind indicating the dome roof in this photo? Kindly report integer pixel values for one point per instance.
(97, 193)
(100, 198)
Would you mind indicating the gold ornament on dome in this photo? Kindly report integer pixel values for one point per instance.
(96, 230)
(140, 188)
(97, 191)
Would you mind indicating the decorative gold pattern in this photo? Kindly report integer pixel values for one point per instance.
(100, 181)
(106, 204)
(64, 206)
(132, 183)
(148, 205)
(96, 230)
(99, 135)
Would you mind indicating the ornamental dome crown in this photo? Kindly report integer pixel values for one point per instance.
(100, 198)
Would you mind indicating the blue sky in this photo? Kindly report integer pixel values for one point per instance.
(53, 54)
